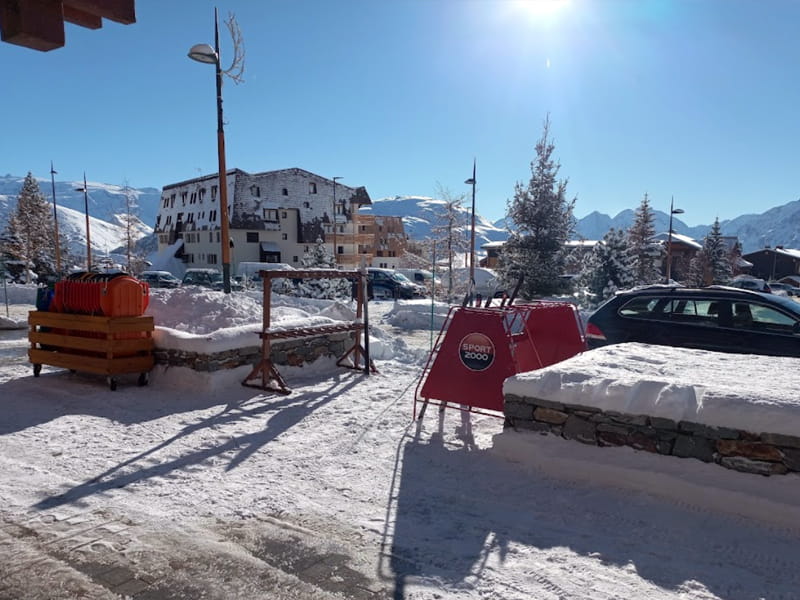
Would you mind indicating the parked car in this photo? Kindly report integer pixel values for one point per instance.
(718, 318)
(159, 279)
(776, 287)
(747, 282)
(379, 281)
(210, 278)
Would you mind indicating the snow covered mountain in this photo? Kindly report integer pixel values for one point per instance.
(778, 226)
(107, 204)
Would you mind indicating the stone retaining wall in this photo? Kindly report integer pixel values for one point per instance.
(764, 453)
(291, 352)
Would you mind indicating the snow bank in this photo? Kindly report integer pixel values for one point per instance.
(747, 392)
(417, 314)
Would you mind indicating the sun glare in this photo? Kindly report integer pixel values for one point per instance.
(540, 11)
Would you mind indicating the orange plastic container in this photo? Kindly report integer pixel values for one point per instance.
(124, 297)
(102, 294)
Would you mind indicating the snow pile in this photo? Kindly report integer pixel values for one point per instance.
(747, 392)
(417, 314)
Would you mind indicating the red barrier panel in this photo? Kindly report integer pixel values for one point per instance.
(478, 348)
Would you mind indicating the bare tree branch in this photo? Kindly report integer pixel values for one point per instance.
(236, 70)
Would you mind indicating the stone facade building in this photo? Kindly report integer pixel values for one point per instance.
(275, 216)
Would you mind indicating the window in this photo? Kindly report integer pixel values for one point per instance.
(211, 259)
(165, 204)
(283, 215)
(193, 198)
(284, 236)
(183, 198)
(172, 201)
(252, 237)
(271, 215)
(210, 236)
(294, 259)
(312, 188)
(306, 205)
(202, 194)
(213, 192)
(285, 192)
(255, 191)
(340, 250)
(212, 215)
(190, 218)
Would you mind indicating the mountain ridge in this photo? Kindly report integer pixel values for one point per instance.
(777, 226)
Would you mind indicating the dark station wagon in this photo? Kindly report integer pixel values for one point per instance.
(717, 318)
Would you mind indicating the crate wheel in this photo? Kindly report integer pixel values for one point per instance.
(112, 383)
(37, 368)
(142, 381)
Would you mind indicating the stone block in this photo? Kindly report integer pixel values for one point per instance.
(754, 450)
(639, 441)
(545, 403)
(615, 429)
(580, 430)
(639, 420)
(581, 408)
(689, 446)
(791, 458)
(662, 423)
(610, 438)
(515, 409)
(777, 439)
(758, 467)
(549, 415)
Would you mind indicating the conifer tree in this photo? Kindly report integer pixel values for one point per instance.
(318, 257)
(644, 250)
(30, 235)
(610, 267)
(543, 221)
(712, 264)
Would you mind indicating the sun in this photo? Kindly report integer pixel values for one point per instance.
(540, 10)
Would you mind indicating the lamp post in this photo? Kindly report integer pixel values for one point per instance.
(335, 256)
(672, 211)
(85, 191)
(55, 219)
(472, 181)
(206, 54)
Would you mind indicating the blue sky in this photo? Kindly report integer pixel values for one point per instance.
(696, 99)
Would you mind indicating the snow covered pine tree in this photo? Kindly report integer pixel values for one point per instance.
(318, 257)
(542, 223)
(29, 236)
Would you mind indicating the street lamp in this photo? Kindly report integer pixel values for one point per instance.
(472, 181)
(672, 211)
(85, 191)
(335, 257)
(53, 172)
(206, 54)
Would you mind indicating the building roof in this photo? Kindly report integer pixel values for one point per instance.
(40, 25)
(678, 238)
(788, 252)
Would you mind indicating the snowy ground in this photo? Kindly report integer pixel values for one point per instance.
(334, 492)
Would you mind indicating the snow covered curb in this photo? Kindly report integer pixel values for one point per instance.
(743, 392)
(657, 404)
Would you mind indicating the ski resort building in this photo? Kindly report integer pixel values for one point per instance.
(274, 216)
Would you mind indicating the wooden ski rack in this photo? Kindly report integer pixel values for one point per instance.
(265, 371)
